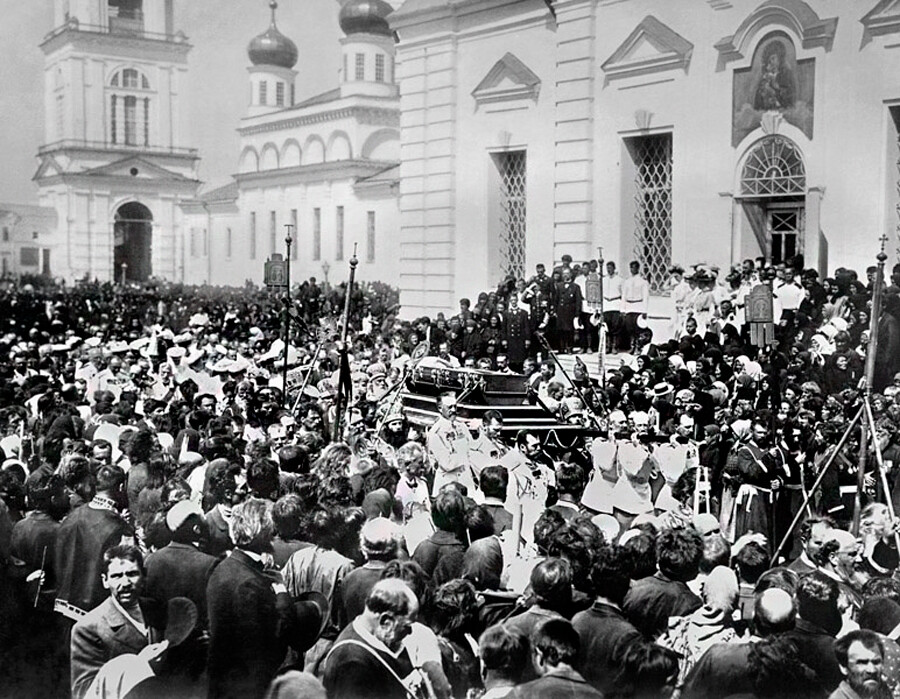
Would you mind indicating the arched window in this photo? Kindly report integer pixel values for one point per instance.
(774, 168)
(129, 108)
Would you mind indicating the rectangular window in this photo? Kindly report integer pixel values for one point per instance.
(29, 257)
(346, 74)
(228, 242)
(279, 94)
(205, 243)
(360, 66)
(112, 120)
(339, 233)
(5, 234)
(273, 233)
(379, 68)
(295, 234)
(34, 235)
(146, 121)
(293, 95)
(193, 242)
(263, 92)
(252, 235)
(130, 120)
(317, 233)
(370, 237)
(652, 162)
(130, 78)
(60, 116)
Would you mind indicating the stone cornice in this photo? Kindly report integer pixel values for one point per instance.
(340, 169)
(373, 116)
(151, 49)
(673, 51)
(882, 19)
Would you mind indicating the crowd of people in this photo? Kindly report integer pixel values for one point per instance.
(177, 520)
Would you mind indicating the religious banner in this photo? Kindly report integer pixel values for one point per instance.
(275, 274)
(761, 315)
(593, 292)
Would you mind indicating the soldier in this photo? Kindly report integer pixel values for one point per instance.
(449, 444)
(516, 334)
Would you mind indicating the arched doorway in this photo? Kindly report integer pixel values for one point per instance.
(773, 194)
(133, 234)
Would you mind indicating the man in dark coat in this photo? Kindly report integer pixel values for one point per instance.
(83, 536)
(251, 618)
(447, 513)
(180, 569)
(605, 632)
(652, 600)
(568, 310)
(555, 648)
(368, 659)
(516, 334)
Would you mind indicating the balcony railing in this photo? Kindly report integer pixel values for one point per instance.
(130, 25)
(77, 144)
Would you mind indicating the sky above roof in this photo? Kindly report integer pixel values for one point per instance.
(219, 30)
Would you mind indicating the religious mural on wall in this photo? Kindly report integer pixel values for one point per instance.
(775, 82)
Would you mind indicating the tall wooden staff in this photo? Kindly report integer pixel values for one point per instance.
(602, 329)
(288, 239)
(871, 350)
(338, 407)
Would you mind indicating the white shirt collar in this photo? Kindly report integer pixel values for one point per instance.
(370, 638)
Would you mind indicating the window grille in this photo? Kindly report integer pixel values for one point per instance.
(653, 207)
(279, 94)
(252, 235)
(317, 233)
(228, 242)
(370, 237)
(774, 168)
(513, 211)
(360, 66)
(379, 68)
(263, 96)
(339, 233)
(295, 235)
(146, 121)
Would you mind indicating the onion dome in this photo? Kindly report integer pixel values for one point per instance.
(365, 17)
(272, 48)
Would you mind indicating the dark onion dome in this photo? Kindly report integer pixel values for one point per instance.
(272, 48)
(365, 17)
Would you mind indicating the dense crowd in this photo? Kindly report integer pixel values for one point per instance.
(177, 520)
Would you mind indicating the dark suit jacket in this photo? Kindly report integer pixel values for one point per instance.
(219, 538)
(249, 627)
(605, 636)
(652, 600)
(721, 671)
(97, 638)
(437, 546)
(815, 647)
(180, 570)
(81, 540)
(559, 684)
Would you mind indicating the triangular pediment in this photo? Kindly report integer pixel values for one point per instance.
(509, 78)
(882, 19)
(49, 167)
(650, 48)
(135, 167)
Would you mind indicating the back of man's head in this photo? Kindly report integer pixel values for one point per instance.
(379, 539)
(110, 478)
(678, 554)
(449, 510)
(611, 574)
(774, 611)
(817, 602)
(391, 595)
(494, 481)
(551, 582)
(504, 653)
(556, 642)
(751, 561)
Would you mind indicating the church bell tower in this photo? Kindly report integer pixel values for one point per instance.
(117, 159)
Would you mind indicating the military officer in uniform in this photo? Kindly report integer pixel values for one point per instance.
(449, 443)
(516, 334)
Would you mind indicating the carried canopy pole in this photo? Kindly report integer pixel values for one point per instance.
(871, 350)
(288, 240)
(338, 407)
